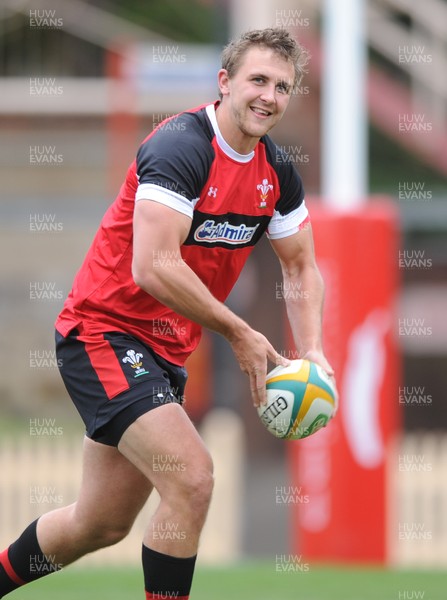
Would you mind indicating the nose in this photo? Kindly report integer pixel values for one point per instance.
(268, 94)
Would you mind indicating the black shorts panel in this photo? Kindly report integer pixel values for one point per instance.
(113, 378)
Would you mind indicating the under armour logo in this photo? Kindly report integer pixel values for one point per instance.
(212, 191)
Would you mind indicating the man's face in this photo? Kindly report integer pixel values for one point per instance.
(258, 93)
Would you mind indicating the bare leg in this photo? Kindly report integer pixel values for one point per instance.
(112, 494)
(164, 445)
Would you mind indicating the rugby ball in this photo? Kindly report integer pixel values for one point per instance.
(301, 399)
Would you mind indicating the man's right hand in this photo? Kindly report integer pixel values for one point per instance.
(253, 351)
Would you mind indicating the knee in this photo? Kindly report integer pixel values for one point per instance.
(200, 486)
(111, 534)
(96, 535)
(196, 488)
(189, 490)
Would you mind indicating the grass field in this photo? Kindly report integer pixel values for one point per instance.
(251, 581)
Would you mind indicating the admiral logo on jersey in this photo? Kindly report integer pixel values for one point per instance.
(210, 231)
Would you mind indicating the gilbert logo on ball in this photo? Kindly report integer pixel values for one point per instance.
(301, 399)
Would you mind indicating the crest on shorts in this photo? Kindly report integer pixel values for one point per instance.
(134, 359)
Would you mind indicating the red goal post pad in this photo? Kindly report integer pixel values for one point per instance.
(341, 471)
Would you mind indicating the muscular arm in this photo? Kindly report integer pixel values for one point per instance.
(160, 231)
(303, 293)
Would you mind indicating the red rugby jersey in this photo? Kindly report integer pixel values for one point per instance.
(232, 200)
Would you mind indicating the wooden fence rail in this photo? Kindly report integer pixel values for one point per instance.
(38, 474)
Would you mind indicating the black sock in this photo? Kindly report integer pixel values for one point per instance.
(167, 576)
(24, 562)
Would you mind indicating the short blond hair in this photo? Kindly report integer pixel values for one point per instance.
(277, 39)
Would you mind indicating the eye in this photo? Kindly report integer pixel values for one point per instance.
(283, 88)
(258, 80)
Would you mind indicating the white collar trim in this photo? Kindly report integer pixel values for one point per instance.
(223, 145)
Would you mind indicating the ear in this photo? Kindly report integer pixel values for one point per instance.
(223, 81)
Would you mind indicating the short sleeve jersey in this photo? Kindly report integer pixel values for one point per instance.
(231, 199)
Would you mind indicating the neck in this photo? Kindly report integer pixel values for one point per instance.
(240, 142)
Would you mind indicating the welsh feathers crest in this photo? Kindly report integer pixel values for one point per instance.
(134, 359)
(264, 188)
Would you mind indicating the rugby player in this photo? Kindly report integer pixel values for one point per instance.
(205, 186)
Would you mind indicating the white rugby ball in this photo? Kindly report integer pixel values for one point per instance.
(301, 399)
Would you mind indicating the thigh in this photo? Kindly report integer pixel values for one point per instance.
(165, 446)
(112, 491)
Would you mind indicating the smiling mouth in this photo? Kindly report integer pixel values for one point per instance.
(260, 111)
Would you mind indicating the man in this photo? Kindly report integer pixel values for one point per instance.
(205, 186)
